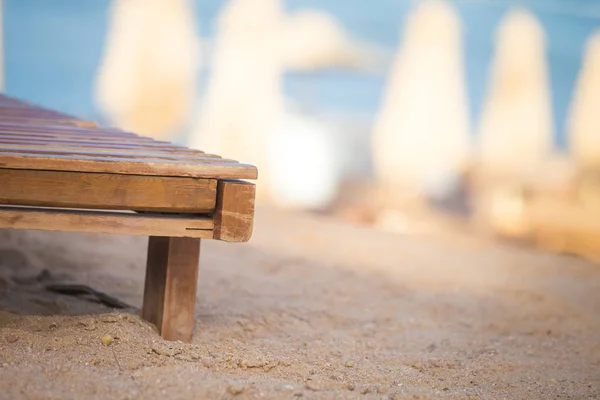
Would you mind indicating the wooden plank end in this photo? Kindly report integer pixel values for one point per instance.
(234, 212)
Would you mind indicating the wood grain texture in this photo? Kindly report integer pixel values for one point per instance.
(34, 129)
(105, 222)
(109, 154)
(49, 135)
(48, 121)
(170, 286)
(128, 166)
(234, 212)
(107, 191)
(54, 160)
(95, 143)
(33, 137)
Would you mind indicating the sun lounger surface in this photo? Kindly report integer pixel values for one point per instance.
(64, 174)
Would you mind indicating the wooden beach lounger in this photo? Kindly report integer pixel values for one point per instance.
(59, 173)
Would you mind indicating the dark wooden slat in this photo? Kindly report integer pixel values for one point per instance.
(87, 142)
(100, 156)
(87, 135)
(16, 127)
(108, 153)
(106, 191)
(49, 121)
(93, 145)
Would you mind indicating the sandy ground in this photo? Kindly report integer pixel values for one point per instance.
(311, 308)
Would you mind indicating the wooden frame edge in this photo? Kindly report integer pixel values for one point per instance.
(114, 222)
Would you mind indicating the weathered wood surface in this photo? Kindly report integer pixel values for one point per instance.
(174, 225)
(234, 213)
(61, 174)
(170, 288)
(107, 191)
(35, 138)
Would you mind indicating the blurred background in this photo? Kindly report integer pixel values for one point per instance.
(417, 117)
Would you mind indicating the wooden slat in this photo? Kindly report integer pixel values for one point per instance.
(105, 222)
(9, 126)
(44, 139)
(49, 121)
(107, 191)
(128, 166)
(36, 138)
(109, 143)
(111, 153)
(104, 150)
(73, 135)
(114, 158)
(234, 212)
(33, 113)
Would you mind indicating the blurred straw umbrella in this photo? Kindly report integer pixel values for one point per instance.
(516, 133)
(314, 39)
(244, 103)
(421, 142)
(244, 115)
(583, 123)
(516, 124)
(147, 78)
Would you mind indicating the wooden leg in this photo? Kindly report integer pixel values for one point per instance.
(170, 289)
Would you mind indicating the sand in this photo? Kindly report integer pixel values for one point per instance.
(311, 308)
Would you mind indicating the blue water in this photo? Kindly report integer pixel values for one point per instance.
(52, 50)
